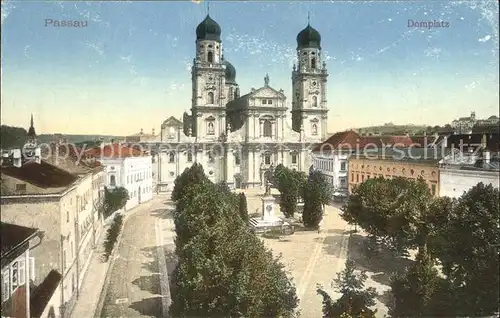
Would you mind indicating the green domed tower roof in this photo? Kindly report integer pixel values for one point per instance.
(230, 72)
(208, 29)
(309, 38)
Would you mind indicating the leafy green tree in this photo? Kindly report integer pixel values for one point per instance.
(12, 137)
(290, 184)
(355, 300)
(467, 248)
(222, 185)
(415, 290)
(190, 176)
(390, 210)
(223, 269)
(114, 200)
(112, 235)
(243, 208)
(317, 193)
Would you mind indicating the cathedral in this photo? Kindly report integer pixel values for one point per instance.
(238, 138)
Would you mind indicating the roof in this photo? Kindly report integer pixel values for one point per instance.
(309, 37)
(14, 235)
(492, 140)
(71, 158)
(353, 141)
(39, 297)
(43, 177)
(208, 29)
(408, 154)
(172, 121)
(114, 151)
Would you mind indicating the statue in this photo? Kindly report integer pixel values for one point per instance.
(268, 188)
(266, 80)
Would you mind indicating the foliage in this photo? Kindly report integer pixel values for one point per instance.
(190, 176)
(415, 290)
(355, 300)
(317, 192)
(290, 184)
(223, 187)
(467, 248)
(223, 269)
(391, 210)
(242, 207)
(12, 137)
(112, 235)
(114, 200)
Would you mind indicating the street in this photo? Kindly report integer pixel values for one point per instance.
(139, 278)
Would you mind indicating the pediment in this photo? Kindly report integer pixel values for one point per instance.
(172, 122)
(267, 92)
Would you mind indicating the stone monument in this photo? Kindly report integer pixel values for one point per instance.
(268, 220)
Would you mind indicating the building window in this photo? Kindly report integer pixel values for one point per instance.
(294, 159)
(210, 128)
(171, 157)
(237, 159)
(211, 158)
(352, 176)
(267, 159)
(342, 182)
(313, 63)
(362, 178)
(315, 101)
(264, 102)
(210, 57)
(269, 101)
(211, 98)
(64, 260)
(342, 166)
(5, 285)
(433, 189)
(268, 128)
(314, 129)
(21, 187)
(15, 275)
(357, 177)
(189, 157)
(112, 180)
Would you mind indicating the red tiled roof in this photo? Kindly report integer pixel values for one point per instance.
(114, 151)
(352, 140)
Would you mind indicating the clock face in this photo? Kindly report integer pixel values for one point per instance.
(314, 83)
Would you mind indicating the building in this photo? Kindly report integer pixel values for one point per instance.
(331, 157)
(61, 204)
(473, 142)
(412, 163)
(126, 167)
(238, 137)
(20, 296)
(464, 125)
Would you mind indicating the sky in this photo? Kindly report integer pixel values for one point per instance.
(130, 67)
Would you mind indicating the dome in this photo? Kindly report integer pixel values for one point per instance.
(230, 72)
(208, 29)
(308, 38)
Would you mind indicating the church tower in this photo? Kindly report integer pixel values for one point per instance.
(208, 81)
(309, 79)
(31, 149)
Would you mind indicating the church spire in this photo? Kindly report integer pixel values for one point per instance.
(308, 18)
(31, 131)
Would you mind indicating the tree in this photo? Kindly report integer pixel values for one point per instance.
(467, 248)
(243, 209)
(415, 290)
(317, 193)
(223, 269)
(114, 199)
(190, 176)
(390, 210)
(222, 185)
(290, 184)
(12, 137)
(355, 300)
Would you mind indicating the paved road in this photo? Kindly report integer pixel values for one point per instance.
(139, 278)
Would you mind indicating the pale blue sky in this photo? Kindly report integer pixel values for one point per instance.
(130, 68)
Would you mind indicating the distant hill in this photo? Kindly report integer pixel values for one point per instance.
(75, 138)
(391, 129)
(12, 137)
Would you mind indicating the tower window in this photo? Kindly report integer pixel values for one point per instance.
(267, 159)
(313, 63)
(112, 180)
(236, 159)
(210, 128)
(314, 129)
(268, 128)
(294, 159)
(315, 101)
(210, 57)
(211, 158)
(171, 157)
(189, 157)
(211, 98)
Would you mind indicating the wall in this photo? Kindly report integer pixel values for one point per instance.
(361, 169)
(454, 182)
(137, 172)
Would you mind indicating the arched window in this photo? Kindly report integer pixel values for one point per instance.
(189, 157)
(211, 158)
(267, 128)
(315, 101)
(210, 128)
(313, 63)
(210, 57)
(210, 97)
(112, 180)
(171, 157)
(314, 129)
(230, 95)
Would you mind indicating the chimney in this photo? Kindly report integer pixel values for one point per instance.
(17, 160)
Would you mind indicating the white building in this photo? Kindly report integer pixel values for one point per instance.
(237, 138)
(456, 179)
(126, 167)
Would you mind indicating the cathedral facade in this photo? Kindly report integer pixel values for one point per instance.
(238, 138)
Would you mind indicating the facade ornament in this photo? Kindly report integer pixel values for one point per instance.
(190, 132)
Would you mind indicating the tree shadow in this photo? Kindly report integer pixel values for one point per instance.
(149, 283)
(153, 265)
(383, 263)
(332, 244)
(164, 213)
(151, 307)
(386, 298)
